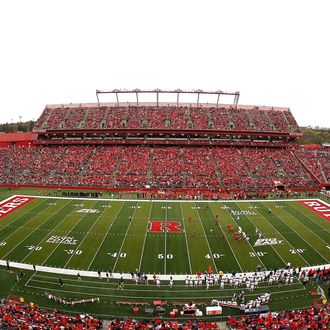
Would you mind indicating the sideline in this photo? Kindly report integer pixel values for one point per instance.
(176, 200)
(126, 276)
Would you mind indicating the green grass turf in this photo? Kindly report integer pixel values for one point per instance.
(109, 240)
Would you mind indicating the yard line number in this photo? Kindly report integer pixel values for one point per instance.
(34, 248)
(214, 255)
(71, 252)
(297, 251)
(257, 254)
(167, 256)
(116, 254)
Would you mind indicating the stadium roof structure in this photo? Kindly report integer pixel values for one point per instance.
(176, 92)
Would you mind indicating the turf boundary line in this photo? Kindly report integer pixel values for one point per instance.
(126, 276)
(252, 294)
(113, 288)
(175, 200)
(131, 284)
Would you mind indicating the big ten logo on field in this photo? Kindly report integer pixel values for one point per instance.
(162, 226)
(267, 241)
(10, 205)
(88, 211)
(62, 240)
(242, 212)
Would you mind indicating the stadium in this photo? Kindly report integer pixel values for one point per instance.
(170, 213)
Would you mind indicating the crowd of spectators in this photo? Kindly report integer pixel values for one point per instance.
(312, 318)
(4, 161)
(167, 167)
(268, 165)
(199, 168)
(260, 119)
(233, 170)
(241, 118)
(317, 160)
(296, 175)
(26, 317)
(163, 167)
(134, 164)
(160, 324)
(96, 119)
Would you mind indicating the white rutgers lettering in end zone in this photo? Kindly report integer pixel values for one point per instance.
(11, 204)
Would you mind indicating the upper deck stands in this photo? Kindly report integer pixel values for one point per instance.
(133, 117)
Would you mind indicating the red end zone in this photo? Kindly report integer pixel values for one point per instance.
(318, 207)
(11, 204)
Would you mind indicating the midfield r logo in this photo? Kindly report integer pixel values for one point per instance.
(162, 226)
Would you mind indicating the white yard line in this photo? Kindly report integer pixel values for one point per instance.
(88, 232)
(165, 238)
(228, 242)
(207, 241)
(66, 233)
(49, 233)
(145, 237)
(114, 219)
(31, 232)
(284, 262)
(289, 215)
(148, 201)
(185, 236)
(122, 244)
(286, 239)
(256, 254)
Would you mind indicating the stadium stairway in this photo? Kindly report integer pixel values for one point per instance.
(279, 168)
(88, 163)
(149, 171)
(67, 115)
(271, 123)
(247, 168)
(184, 175)
(251, 123)
(217, 171)
(307, 169)
(322, 171)
(286, 120)
(116, 171)
(50, 113)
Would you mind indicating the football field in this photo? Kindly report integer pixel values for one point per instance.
(163, 237)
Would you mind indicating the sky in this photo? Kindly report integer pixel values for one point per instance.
(275, 53)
